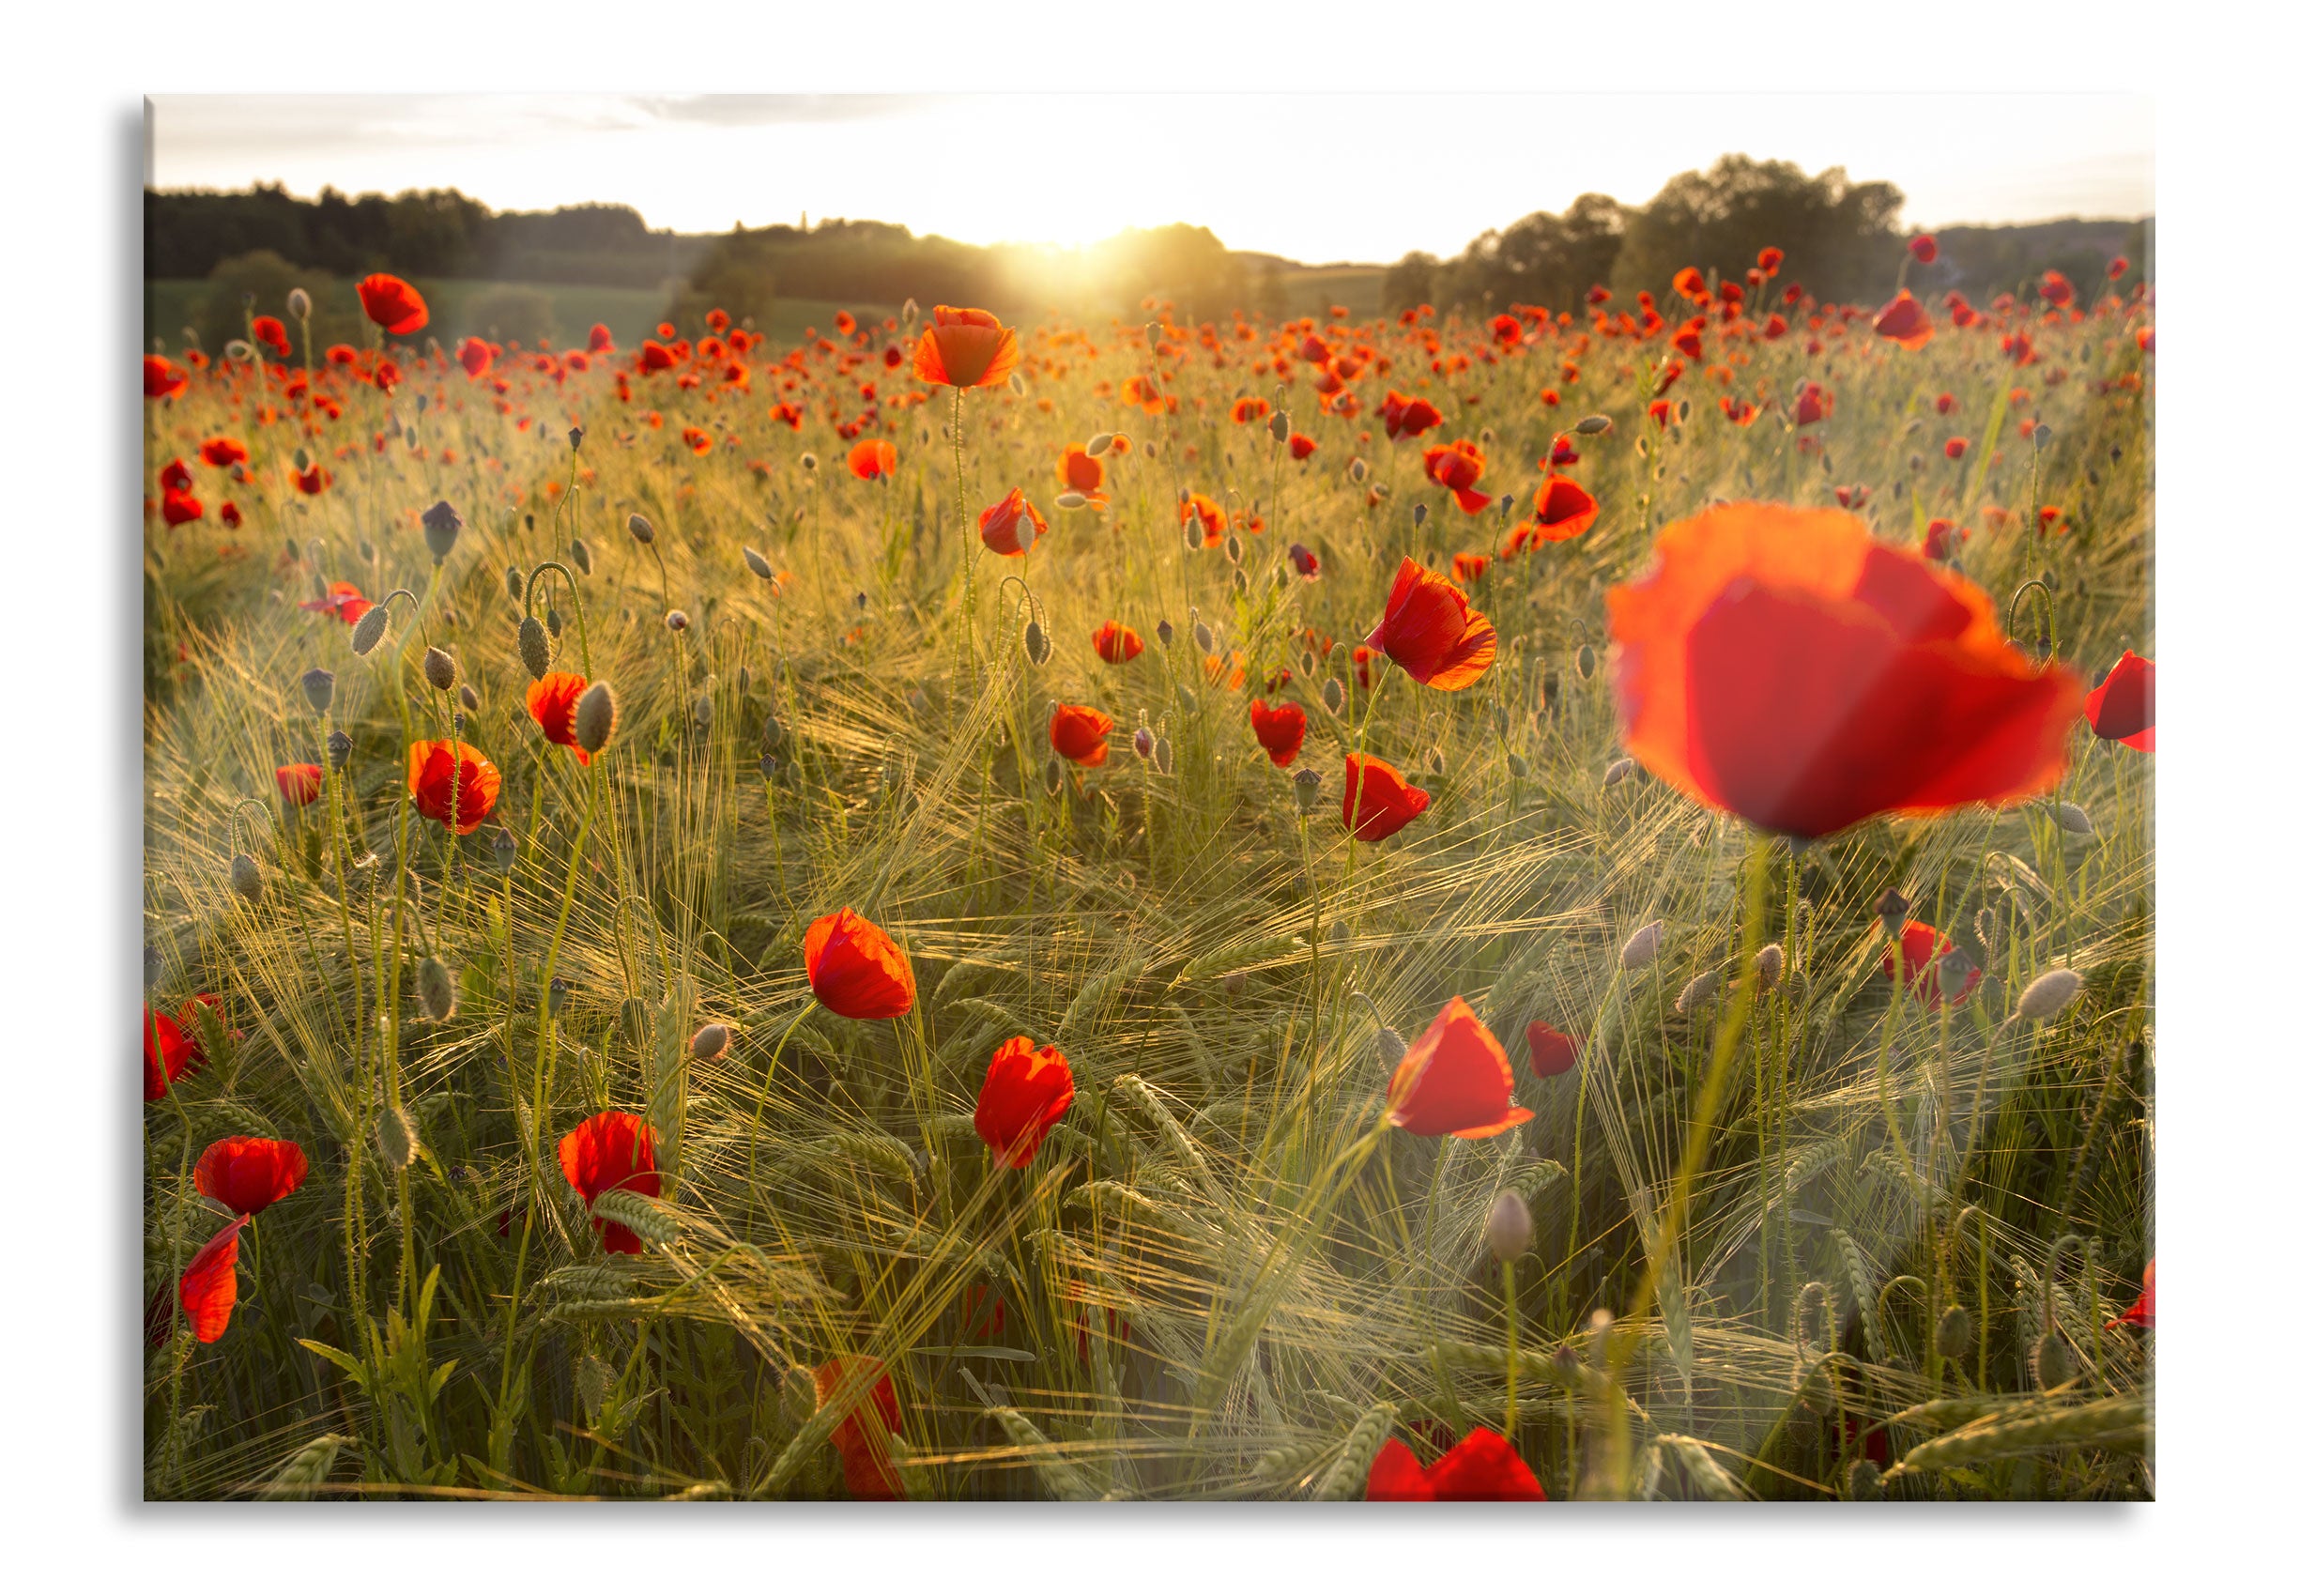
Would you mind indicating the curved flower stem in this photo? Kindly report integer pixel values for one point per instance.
(760, 1115)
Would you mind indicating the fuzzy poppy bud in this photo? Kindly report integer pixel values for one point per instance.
(1696, 991)
(1643, 946)
(1769, 962)
(561, 986)
(1519, 768)
(1162, 756)
(506, 848)
(1306, 786)
(1068, 501)
(1509, 1228)
(700, 712)
(595, 717)
(1389, 1046)
(1333, 696)
(582, 553)
(435, 990)
(2050, 1361)
(1585, 662)
(1203, 635)
(1036, 644)
(396, 1138)
(514, 583)
(247, 878)
(2073, 820)
(1893, 909)
(468, 697)
(2045, 997)
(1509, 502)
(441, 527)
(2042, 436)
(1422, 513)
(1166, 634)
(677, 621)
(1358, 471)
(299, 304)
(1591, 426)
(641, 528)
(1620, 772)
(758, 562)
(339, 749)
(1953, 1333)
(535, 648)
(440, 670)
(771, 732)
(368, 635)
(319, 689)
(1863, 1482)
(1143, 742)
(1282, 425)
(709, 1044)
(1099, 445)
(1234, 550)
(554, 621)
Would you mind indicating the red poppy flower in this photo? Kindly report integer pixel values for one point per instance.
(552, 702)
(602, 340)
(1024, 1092)
(1924, 248)
(178, 508)
(272, 331)
(873, 459)
(248, 1174)
(1783, 665)
(1279, 730)
(1942, 538)
(1079, 733)
(1115, 643)
(1955, 449)
(1454, 1080)
(612, 1152)
(1769, 260)
(1431, 631)
(2123, 708)
(1389, 802)
(855, 969)
(2141, 1315)
(966, 349)
(313, 479)
(1484, 1467)
(1563, 509)
(300, 784)
(1470, 567)
(392, 304)
(1081, 472)
(229, 514)
(1301, 445)
(1554, 1053)
(1813, 404)
(1905, 322)
(1249, 410)
(1924, 951)
(2056, 289)
(1011, 525)
(343, 601)
(220, 452)
(1305, 562)
(1412, 417)
(452, 783)
(163, 378)
(178, 1054)
(211, 1284)
(1456, 467)
(861, 1436)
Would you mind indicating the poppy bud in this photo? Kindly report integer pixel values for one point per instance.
(554, 622)
(758, 562)
(434, 988)
(441, 527)
(1053, 775)
(641, 528)
(1437, 761)
(1334, 697)
(535, 648)
(1422, 513)
(1620, 772)
(1893, 909)
(514, 584)
(1282, 425)
(1166, 634)
(1204, 635)
(1509, 502)
(440, 670)
(1099, 445)
(1519, 769)
(304, 463)
(1585, 662)
(1593, 426)
(560, 988)
(319, 689)
(807, 461)
(700, 712)
(2073, 820)
(299, 304)
(1509, 1228)
(676, 620)
(2050, 993)
(2042, 436)
(339, 749)
(1193, 535)
(1069, 501)
(709, 1043)
(1143, 742)
(1306, 785)
(395, 1137)
(1953, 1333)
(595, 717)
(1696, 991)
(1389, 1046)
(1814, 1313)
(1358, 471)
(582, 553)
(368, 635)
(2050, 1362)
(1862, 1482)
(1769, 966)
(1162, 756)
(1643, 946)
(1036, 643)
(247, 878)
(506, 848)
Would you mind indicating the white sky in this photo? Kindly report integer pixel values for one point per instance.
(1314, 176)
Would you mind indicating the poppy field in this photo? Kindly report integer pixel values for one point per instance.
(1544, 905)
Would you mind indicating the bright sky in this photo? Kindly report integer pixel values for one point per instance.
(1314, 176)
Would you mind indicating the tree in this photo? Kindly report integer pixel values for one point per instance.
(1412, 281)
(1542, 259)
(257, 283)
(733, 276)
(1842, 240)
(513, 311)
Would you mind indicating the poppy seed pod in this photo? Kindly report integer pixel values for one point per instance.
(1333, 696)
(247, 878)
(535, 648)
(368, 635)
(595, 717)
(441, 527)
(396, 1138)
(768, 765)
(434, 988)
(758, 562)
(1509, 1228)
(1036, 644)
(319, 689)
(339, 749)
(1643, 946)
(2050, 993)
(582, 553)
(677, 621)
(641, 528)
(1306, 786)
(299, 304)
(1893, 909)
(514, 583)
(709, 1044)
(440, 670)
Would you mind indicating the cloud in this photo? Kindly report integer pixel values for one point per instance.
(764, 110)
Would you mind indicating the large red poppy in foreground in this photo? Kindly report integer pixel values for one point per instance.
(612, 1152)
(1483, 1468)
(452, 783)
(1428, 629)
(1783, 665)
(248, 1174)
(1024, 1092)
(861, 1436)
(856, 970)
(1454, 1080)
(392, 304)
(966, 349)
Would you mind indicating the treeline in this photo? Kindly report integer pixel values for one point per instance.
(1843, 240)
